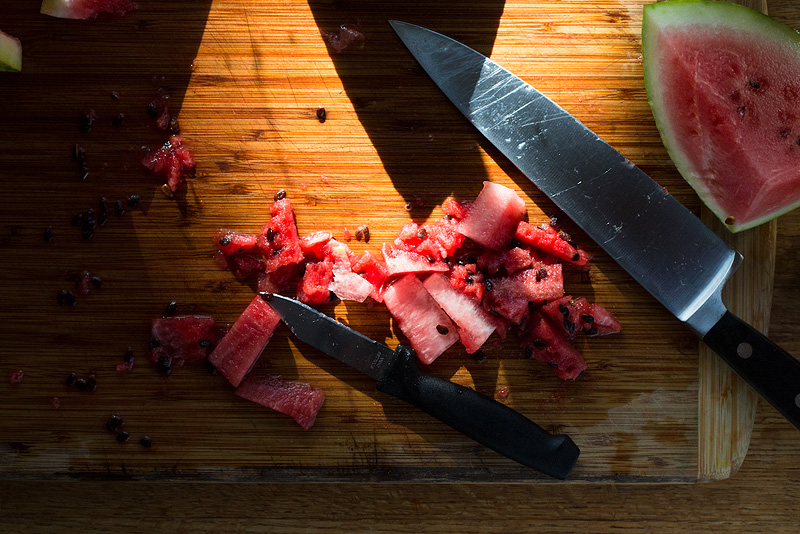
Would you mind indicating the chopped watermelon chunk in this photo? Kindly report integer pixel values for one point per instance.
(296, 399)
(595, 319)
(466, 278)
(313, 243)
(276, 281)
(547, 239)
(400, 261)
(278, 240)
(509, 295)
(183, 339)
(493, 217)
(173, 159)
(544, 342)
(373, 271)
(313, 288)
(474, 324)
(428, 329)
(454, 209)
(85, 9)
(230, 242)
(237, 352)
(511, 260)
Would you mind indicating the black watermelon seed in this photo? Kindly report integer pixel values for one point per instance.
(82, 384)
(528, 351)
(152, 110)
(171, 308)
(47, 235)
(119, 120)
(97, 282)
(321, 114)
(564, 310)
(271, 234)
(133, 200)
(71, 380)
(280, 195)
(442, 329)
(205, 343)
(123, 436)
(119, 208)
(430, 258)
(488, 285)
(165, 364)
(586, 318)
(422, 234)
(570, 326)
(114, 423)
(539, 343)
(102, 205)
(146, 442)
(576, 257)
(591, 331)
(128, 356)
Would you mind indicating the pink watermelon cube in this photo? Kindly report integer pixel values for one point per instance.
(236, 353)
(474, 324)
(492, 219)
(296, 399)
(429, 330)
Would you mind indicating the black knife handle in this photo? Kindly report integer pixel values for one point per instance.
(772, 371)
(485, 420)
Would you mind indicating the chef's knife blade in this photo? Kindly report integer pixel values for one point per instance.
(668, 250)
(485, 420)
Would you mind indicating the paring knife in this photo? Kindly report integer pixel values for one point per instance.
(659, 242)
(485, 420)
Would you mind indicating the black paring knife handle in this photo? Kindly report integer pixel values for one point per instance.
(485, 420)
(772, 371)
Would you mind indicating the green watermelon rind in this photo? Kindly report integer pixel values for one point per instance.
(709, 13)
(10, 53)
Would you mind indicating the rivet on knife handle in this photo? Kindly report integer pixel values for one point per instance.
(772, 371)
(485, 420)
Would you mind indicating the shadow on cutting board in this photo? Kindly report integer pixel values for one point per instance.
(426, 146)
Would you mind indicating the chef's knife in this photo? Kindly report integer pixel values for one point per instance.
(485, 420)
(665, 247)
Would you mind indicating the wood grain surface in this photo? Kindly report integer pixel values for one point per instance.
(245, 83)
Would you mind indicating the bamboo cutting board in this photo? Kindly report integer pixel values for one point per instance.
(245, 82)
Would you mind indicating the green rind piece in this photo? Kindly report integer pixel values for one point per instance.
(10, 53)
(732, 18)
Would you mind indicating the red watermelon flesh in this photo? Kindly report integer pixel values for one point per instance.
(230, 242)
(564, 315)
(400, 261)
(85, 9)
(509, 295)
(722, 81)
(276, 281)
(547, 239)
(595, 319)
(237, 352)
(173, 159)
(511, 260)
(314, 243)
(184, 339)
(545, 342)
(296, 399)
(466, 277)
(429, 330)
(313, 288)
(455, 209)
(474, 324)
(278, 240)
(373, 271)
(492, 219)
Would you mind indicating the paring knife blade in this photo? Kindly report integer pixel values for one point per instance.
(659, 242)
(485, 420)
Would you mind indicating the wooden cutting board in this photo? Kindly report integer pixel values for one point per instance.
(245, 82)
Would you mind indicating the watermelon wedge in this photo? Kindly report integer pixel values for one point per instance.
(10, 53)
(296, 399)
(236, 353)
(722, 81)
(183, 339)
(85, 9)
